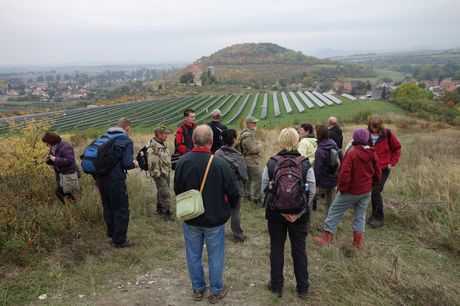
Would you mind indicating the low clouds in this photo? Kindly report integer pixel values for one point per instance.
(84, 31)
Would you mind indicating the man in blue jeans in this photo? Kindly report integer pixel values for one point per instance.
(219, 194)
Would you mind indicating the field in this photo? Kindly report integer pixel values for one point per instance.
(235, 107)
(62, 251)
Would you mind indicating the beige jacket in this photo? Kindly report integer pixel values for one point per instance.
(159, 159)
(249, 147)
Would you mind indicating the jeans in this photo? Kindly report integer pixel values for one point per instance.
(114, 197)
(377, 202)
(235, 222)
(297, 234)
(195, 237)
(342, 202)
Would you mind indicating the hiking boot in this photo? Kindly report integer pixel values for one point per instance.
(303, 295)
(214, 298)
(168, 216)
(370, 219)
(326, 239)
(257, 202)
(125, 244)
(376, 223)
(357, 239)
(278, 292)
(197, 295)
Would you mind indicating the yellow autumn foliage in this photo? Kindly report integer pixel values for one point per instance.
(23, 153)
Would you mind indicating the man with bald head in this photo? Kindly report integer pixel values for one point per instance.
(220, 194)
(335, 132)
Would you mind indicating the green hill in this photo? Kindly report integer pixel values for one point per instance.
(259, 53)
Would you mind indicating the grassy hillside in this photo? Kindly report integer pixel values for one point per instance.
(259, 53)
(413, 260)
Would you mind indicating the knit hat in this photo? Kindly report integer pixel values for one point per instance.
(361, 137)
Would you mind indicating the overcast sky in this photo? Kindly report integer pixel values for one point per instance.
(151, 31)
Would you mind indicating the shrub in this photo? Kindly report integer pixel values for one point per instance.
(32, 220)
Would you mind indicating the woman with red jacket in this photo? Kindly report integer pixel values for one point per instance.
(388, 150)
(358, 173)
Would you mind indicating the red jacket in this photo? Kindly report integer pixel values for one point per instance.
(183, 140)
(359, 171)
(388, 152)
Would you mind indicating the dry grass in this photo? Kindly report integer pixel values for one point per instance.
(413, 260)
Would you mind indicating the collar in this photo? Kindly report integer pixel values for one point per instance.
(116, 130)
(206, 150)
(190, 125)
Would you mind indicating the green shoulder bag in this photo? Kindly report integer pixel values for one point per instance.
(189, 204)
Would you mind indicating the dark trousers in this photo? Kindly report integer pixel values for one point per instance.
(62, 196)
(114, 197)
(376, 197)
(297, 235)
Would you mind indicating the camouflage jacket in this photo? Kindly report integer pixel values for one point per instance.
(249, 147)
(159, 159)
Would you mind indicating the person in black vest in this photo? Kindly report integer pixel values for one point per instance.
(294, 222)
(112, 186)
(183, 140)
(335, 132)
(217, 130)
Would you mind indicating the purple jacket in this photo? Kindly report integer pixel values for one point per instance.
(321, 164)
(65, 159)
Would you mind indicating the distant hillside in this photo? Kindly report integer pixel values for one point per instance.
(259, 53)
(267, 64)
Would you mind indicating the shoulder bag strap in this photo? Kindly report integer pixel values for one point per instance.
(206, 173)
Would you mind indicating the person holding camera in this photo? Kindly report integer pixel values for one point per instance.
(62, 157)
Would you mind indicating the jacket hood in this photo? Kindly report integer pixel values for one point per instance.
(365, 153)
(328, 144)
(230, 154)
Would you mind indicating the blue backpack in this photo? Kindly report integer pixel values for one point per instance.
(100, 157)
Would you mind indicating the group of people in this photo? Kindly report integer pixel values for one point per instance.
(291, 183)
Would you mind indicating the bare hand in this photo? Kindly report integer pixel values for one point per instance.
(52, 158)
(289, 217)
(136, 164)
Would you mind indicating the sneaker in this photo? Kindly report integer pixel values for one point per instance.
(214, 298)
(125, 244)
(279, 292)
(376, 223)
(198, 295)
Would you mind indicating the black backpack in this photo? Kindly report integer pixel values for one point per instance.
(335, 158)
(142, 159)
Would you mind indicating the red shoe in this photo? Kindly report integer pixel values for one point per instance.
(326, 239)
(357, 239)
